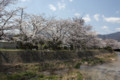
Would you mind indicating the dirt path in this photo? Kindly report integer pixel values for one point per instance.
(109, 71)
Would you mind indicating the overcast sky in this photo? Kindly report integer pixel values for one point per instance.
(103, 15)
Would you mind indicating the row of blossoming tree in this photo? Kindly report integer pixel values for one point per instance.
(48, 32)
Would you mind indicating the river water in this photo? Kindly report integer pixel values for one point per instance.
(110, 71)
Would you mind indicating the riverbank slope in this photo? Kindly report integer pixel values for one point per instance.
(49, 65)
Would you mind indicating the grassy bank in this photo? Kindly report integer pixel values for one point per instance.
(58, 68)
(53, 70)
(36, 76)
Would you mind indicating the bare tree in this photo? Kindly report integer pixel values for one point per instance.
(5, 3)
(6, 17)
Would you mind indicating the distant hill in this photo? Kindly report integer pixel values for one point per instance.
(115, 36)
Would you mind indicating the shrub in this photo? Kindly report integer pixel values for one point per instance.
(77, 66)
(14, 77)
(108, 48)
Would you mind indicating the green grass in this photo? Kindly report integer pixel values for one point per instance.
(12, 50)
(27, 76)
(70, 51)
(35, 76)
(41, 50)
(79, 76)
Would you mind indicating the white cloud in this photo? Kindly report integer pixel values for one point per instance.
(112, 19)
(105, 27)
(61, 5)
(52, 7)
(96, 17)
(87, 18)
(24, 0)
(77, 14)
(71, 0)
(117, 29)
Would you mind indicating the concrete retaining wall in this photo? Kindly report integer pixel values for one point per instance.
(40, 56)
